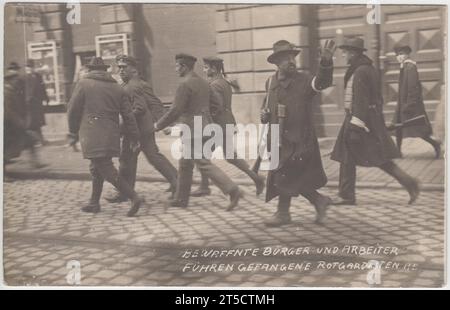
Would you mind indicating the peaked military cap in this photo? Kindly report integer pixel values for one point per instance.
(124, 60)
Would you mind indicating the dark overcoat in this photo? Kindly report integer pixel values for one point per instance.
(300, 165)
(147, 108)
(35, 95)
(376, 146)
(410, 101)
(93, 113)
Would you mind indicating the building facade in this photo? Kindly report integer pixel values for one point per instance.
(65, 37)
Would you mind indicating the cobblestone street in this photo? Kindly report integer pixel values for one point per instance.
(44, 229)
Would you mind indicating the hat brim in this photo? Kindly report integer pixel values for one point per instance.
(273, 57)
(351, 47)
(407, 49)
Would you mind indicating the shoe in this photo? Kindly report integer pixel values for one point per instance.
(260, 184)
(414, 192)
(136, 204)
(235, 195)
(321, 208)
(91, 208)
(201, 192)
(178, 204)
(116, 198)
(39, 165)
(342, 201)
(278, 219)
(437, 149)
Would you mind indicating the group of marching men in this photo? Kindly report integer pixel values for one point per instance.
(98, 101)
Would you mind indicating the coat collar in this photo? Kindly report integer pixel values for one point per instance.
(276, 82)
(100, 75)
(407, 61)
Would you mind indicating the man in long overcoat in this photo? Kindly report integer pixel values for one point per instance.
(147, 109)
(410, 101)
(93, 114)
(290, 93)
(191, 105)
(363, 139)
(35, 95)
(221, 113)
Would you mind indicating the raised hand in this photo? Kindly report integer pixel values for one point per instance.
(328, 49)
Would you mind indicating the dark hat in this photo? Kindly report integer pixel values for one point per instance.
(13, 66)
(354, 43)
(125, 60)
(402, 48)
(280, 48)
(30, 63)
(96, 63)
(212, 60)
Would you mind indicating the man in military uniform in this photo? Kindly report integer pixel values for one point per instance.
(93, 114)
(363, 139)
(410, 101)
(147, 109)
(289, 100)
(220, 108)
(191, 104)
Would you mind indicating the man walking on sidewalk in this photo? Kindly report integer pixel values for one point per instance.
(410, 101)
(147, 109)
(221, 113)
(35, 95)
(363, 139)
(289, 98)
(191, 104)
(93, 113)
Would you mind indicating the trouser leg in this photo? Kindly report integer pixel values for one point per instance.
(107, 170)
(184, 182)
(284, 203)
(158, 160)
(97, 185)
(435, 144)
(128, 163)
(399, 139)
(219, 178)
(347, 181)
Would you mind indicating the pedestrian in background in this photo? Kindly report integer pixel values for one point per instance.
(35, 95)
(93, 114)
(410, 102)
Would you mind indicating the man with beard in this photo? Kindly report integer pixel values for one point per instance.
(410, 101)
(191, 104)
(289, 101)
(93, 113)
(363, 139)
(147, 109)
(221, 113)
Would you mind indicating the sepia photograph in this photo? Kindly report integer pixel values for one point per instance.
(224, 145)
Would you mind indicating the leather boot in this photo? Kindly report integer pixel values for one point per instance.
(282, 216)
(321, 205)
(235, 195)
(408, 182)
(136, 200)
(203, 189)
(117, 197)
(243, 166)
(94, 203)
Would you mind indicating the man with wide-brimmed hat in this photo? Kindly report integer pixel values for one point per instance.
(289, 99)
(363, 139)
(147, 109)
(93, 114)
(35, 95)
(191, 105)
(410, 101)
(221, 113)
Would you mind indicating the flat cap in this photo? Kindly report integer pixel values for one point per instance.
(212, 60)
(185, 57)
(126, 60)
